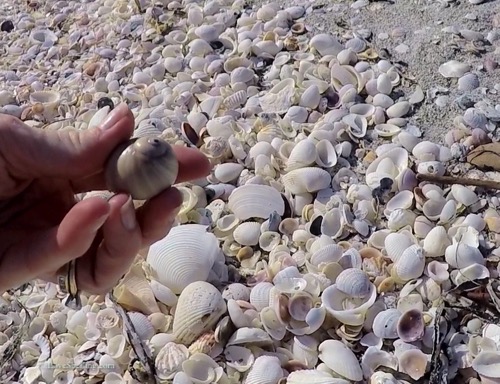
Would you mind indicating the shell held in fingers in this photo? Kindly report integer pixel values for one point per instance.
(142, 167)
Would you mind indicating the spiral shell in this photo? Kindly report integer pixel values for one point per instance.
(142, 166)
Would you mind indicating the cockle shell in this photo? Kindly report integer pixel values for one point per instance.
(306, 180)
(385, 324)
(411, 264)
(199, 248)
(142, 167)
(198, 309)
(255, 201)
(354, 283)
(340, 359)
(169, 360)
(265, 370)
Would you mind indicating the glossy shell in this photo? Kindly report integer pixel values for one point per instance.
(142, 167)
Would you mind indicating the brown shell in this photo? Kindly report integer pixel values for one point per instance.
(142, 167)
(486, 156)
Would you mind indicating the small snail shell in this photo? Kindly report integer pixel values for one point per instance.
(142, 167)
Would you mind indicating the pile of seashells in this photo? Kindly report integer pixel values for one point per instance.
(311, 254)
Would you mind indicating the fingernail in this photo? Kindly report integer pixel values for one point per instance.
(127, 212)
(113, 117)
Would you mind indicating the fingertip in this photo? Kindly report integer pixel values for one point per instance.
(192, 164)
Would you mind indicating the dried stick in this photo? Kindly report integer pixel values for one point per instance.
(489, 184)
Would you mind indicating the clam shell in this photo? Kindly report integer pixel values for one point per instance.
(453, 68)
(385, 324)
(257, 201)
(198, 309)
(354, 283)
(340, 359)
(411, 325)
(459, 255)
(411, 264)
(265, 370)
(306, 180)
(247, 233)
(199, 248)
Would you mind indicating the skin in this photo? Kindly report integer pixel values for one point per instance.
(43, 227)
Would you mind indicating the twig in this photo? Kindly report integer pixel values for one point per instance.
(438, 372)
(459, 180)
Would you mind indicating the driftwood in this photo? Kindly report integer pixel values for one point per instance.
(488, 184)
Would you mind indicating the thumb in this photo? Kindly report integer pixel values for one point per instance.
(67, 153)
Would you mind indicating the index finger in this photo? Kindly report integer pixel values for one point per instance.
(192, 165)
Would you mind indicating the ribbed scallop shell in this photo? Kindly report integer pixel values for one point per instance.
(260, 294)
(199, 308)
(265, 370)
(395, 244)
(142, 325)
(354, 282)
(468, 82)
(199, 250)
(306, 180)
(236, 100)
(252, 200)
(169, 360)
(247, 233)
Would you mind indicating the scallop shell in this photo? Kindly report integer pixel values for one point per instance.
(199, 248)
(199, 308)
(306, 180)
(169, 360)
(468, 82)
(436, 242)
(459, 255)
(257, 201)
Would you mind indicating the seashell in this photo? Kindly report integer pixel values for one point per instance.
(414, 363)
(134, 293)
(354, 283)
(357, 125)
(387, 130)
(265, 370)
(142, 167)
(326, 44)
(303, 154)
(486, 364)
(247, 335)
(470, 273)
(307, 179)
(475, 118)
(434, 168)
(436, 241)
(299, 305)
(169, 360)
(239, 358)
(272, 324)
(395, 244)
(459, 255)
(453, 68)
(411, 264)
(398, 110)
(198, 309)
(247, 201)
(142, 325)
(340, 359)
(49, 102)
(305, 350)
(311, 97)
(163, 294)
(313, 376)
(199, 255)
(464, 195)
(326, 154)
(468, 82)
(385, 324)
(228, 172)
(411, 325)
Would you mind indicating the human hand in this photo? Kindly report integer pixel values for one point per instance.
(42, 227)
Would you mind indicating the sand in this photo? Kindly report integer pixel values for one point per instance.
(428, 46)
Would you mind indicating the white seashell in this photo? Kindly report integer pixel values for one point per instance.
(306, 180)
(313, 376)
(464, 195)
(470, 273)
(228, 172)
(354, 283)
(247, 335)
(387, 130)
(247, 233)
(326, 154)
(460, 255)
(385, 324)
(395, 244)
(437, 271)
(265, 370)
(260, 295)
(340, 359)
(453, 68)
(272, 325)
(199, 248)
(257, 201)
(357, 124)
(303, 154)
(305, 350)
(398, 110)
(198, 309)
(169, 360)
(436, 242)
(142, 325)
(326, 44)
(236, 291)
(434, 168)
(239, 358)
(411, 264)
(311, 97)
(373, 358)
